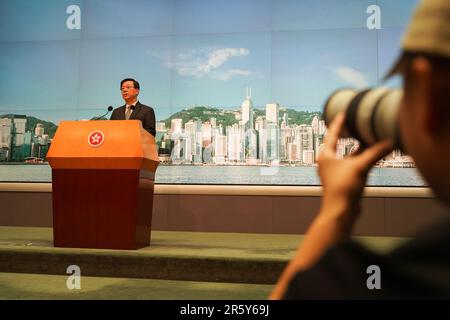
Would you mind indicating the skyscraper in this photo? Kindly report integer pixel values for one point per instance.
(18, 138)
(206, 133)
(179, 141)
(189, 130)
(247, 110)
(176, 125)
(5, 138)
(291, 152)
(308, 157)
(285, 122)
(322, 127)
(272, 110)
(160, 126)
(315, 125)
(220, 149)
(251, 146)
(260, 123)
(39, 130)
(234, 143)
(272, 155)
(5, 132)
(298, 142)
(193, 134)
(307, 137)
(213, 122)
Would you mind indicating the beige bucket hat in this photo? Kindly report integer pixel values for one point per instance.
(428, 32)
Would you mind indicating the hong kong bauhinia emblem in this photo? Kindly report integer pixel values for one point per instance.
(96, 138)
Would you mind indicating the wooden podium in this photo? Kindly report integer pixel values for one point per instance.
(103, 180)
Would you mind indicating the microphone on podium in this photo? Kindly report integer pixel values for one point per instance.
(110, 108)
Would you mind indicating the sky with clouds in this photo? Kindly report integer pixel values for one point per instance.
(190, 52)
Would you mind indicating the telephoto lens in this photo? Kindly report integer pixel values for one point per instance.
(371, 115)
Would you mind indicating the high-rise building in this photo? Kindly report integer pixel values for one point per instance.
(39, 130)
(5, 132)
(18, 138)
(20, 123)
(318, 141)
(176, 126)
(44, 142)
(180, 141)
(272, 147)
(308, 157)
(287, 136)
(304, 139)
(259, 124)
(206, 133)
(160, 126)
(193, 132)
(178, 150)
(283, 143)
(166, 145)
(251, 146)
(322, 127)
(315, 125)
(40, 142)
(286, 119)
(4, 154)
(298, 142)
(307, 137)
(247, 110)
(5, 138)
(234, 144)
(198, 154)
(213, 122)
(272, 110)
(220, 149)
(262, 145)
(291, 152)
(26, 147)
(207, 142)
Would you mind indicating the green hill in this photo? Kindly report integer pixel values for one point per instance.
(224, 117)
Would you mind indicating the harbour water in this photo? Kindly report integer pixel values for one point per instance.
(238, 175)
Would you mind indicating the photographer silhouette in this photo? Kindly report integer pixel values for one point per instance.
(328, 265)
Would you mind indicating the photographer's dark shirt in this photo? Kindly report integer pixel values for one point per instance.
(420, 269)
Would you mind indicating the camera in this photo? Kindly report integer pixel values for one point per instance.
(371, 115)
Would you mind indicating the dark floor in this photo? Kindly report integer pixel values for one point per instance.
(177, 265)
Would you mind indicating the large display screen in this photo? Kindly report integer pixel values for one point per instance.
(238, 86)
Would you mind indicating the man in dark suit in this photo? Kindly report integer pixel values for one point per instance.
(133, 109)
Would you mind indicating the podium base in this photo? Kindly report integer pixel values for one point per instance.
(102, 208)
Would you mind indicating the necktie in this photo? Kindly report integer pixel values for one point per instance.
(128, 113)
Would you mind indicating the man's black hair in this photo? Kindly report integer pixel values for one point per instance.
(135, 83)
